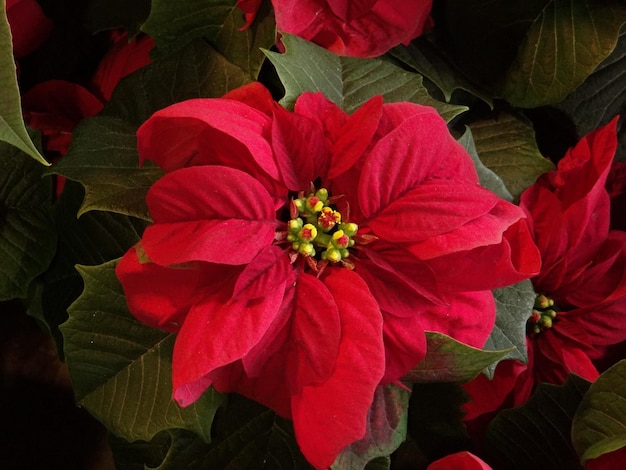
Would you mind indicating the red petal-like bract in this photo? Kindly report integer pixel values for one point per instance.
(307, 337)
(459, 461)
(29, 26)
(347, 395)
(250, 9)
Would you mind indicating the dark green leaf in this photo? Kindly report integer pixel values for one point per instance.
(103, 156)
(435, 422)
(601, 97)
(513, 307)
(566, 42)
(104, 159)
(244, 48)
(427, 59)
(346, 81)
(197, 71)
(27, 233)
(93, 239)
(600, 422)
(507, 146)
(537, 434)
(448, 360)
(379, 463)
(488, 179)
(12, 128)
(101, 15)
(386, 430)
(483, 36)
(141, 455)
(173, 25)
(248, 436)
(121, 369)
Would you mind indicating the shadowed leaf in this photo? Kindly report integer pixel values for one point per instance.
(121, 369)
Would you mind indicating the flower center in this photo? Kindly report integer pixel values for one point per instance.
(542, 317)
(316, 229)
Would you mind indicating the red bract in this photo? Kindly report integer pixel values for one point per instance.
(55, 107)
(301, 255)
(459, 461)
(123, 58)
(250, 9)
(362, 28)
(29, 26)
(582, 278)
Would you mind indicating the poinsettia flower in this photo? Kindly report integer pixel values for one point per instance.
(299, 256)
(363, 28)
(56, 107)
(459, 461)
(582, 283)
(29, 26)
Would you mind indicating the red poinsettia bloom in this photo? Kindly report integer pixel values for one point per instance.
(459, 461)
(582, 283)
(358, 28)
(301, 255)
(55, 107)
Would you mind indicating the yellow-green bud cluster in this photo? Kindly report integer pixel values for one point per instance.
(542, 316)
(319, 227)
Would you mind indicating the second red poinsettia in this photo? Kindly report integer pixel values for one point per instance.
(358, 28)
(300, 256)
(582, 283)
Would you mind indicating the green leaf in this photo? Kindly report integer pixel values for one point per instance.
(448, 360)
(346, 81)
(436, 426)
(92, 239)
(484, 36)
(244, 48)
(513, 307)
(507, 146)
(173, 25)
(386, 430)
(102, 15)
(426, 58)
(103, 155)
(104, 159)
(247, 435)
(488, 179)
(566, 42)
(537, 434)
(601, 97)
(197, 71)
(27, 233)
(599, 425)
(12, 128)
(379, 463)
(121, 369)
